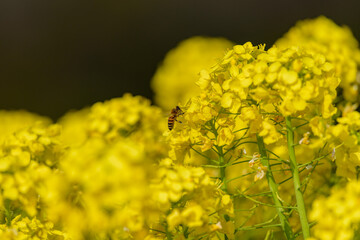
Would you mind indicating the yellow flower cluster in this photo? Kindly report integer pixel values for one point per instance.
(344, 142)
(258, 142)
(252, 87)
(337, 216)
(29, 151)
(102, 176)
(122, 117)
(26, 229)
(207, 208)
(248, 95)
(336, 43)
(127, 117)
(11, 121)
(100, 188)
(27, 157)
(287, 82)
(174, 80)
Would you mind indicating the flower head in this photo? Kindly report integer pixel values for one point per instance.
(174, 80)
(337, 216)
(336, 43)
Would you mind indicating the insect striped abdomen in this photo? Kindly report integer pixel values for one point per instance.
(171, 121)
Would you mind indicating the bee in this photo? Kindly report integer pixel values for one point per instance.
(175, 112)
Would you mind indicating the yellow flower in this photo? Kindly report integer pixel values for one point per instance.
(199, 196)
(318, 126)
(227, 100)
(174, 81)
(112, 201)
(328, 108)
(74, 127)
(192, 216)
(288, 77)
(174, 219)
(128, 116)
(12, 121)
(28, 157)
(288, 84)
(32, 229)
(269, 133)
(344, 143)
(337, 216)
(352, 119)
(225, 137)
(336, 43)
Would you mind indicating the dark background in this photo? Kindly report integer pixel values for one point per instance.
(57, 55)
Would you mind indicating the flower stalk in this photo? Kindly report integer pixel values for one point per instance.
(296, 178)
(285, 225)
(222, 168)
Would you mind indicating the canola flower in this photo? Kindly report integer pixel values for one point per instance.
(263, 150)
(116, 142)
(12, 121)
(337, 215)
(27, 158)
(126, 117)
(99, 190)
(194, 205)
(345, 145)
(30, 150)
(336, 43)
(241, 97)
(137, 192)
(24, 228)
(174, 80)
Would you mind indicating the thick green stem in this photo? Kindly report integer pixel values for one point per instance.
(222, 173)
(274, 190)
(296, 178)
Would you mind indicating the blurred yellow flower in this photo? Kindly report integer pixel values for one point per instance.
(338, 215)
(11, 121)
(174, 80)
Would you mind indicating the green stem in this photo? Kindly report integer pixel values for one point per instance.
(222, 173)
(296, 179)
(274, 190)
(222, 168)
